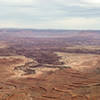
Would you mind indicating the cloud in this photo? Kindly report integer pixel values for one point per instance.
(67, 23)
(77, 23)
(16, 2)
(64, 14)
(92, 1)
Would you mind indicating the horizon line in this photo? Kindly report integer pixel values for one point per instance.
(52, 29)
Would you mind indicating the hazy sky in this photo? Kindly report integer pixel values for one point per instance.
(50, 14)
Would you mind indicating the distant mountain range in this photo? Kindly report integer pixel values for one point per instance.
(32, 33)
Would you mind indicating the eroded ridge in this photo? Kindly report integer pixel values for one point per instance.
(38, 67)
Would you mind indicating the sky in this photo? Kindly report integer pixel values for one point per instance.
(50, 14)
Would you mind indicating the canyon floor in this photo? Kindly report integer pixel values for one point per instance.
(49, 69)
